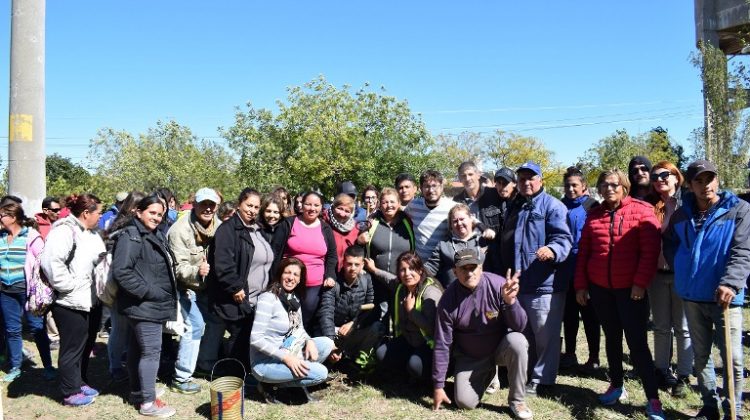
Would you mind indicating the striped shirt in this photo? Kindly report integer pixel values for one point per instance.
(430, 225)
(13, 257)
(270, 327)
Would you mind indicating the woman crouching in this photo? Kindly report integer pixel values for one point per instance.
(282, 354)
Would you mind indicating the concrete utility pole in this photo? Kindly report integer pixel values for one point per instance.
(26, 157)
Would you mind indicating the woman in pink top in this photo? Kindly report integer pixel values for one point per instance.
(305, 237)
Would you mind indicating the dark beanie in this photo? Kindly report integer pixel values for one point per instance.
(639, 160)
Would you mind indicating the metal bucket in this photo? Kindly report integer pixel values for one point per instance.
(227, 395)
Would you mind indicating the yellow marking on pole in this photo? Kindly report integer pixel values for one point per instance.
(21, 127)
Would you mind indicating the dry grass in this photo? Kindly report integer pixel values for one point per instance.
(342, 398)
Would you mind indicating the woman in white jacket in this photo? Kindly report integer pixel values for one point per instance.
(68, 259)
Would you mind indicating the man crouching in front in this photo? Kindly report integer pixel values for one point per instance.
(481, 320)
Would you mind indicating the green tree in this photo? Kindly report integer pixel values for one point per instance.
(168, 155)
(616, 150)
(65, 177)
(507, 149)
(323, 135)
(725, 137)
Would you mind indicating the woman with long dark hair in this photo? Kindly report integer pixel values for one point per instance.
(282, 353)
(21, 244)
(415, 299)
(578, 202)
(68, 258)
(310, 240)
(241, 261)
(143, 267)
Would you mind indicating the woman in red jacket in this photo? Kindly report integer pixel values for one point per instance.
(617, 257)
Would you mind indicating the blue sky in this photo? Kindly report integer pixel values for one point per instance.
(568, 73)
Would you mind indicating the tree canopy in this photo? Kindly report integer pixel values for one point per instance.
(323, 135)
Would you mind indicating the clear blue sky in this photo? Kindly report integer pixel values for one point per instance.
(568, 73)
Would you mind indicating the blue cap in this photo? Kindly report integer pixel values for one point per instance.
(530, 166)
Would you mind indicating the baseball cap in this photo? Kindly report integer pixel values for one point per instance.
(530, 166)
(466, 256)
(698, 167)
(204, 194)
(506, 174)
(347, 187)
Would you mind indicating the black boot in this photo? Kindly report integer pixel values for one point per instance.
(267, 393)
(308, 395)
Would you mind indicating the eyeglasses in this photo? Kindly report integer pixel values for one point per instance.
(3, 215)
(370, 198)
(609, 185)
(57, 210)
(660, 176)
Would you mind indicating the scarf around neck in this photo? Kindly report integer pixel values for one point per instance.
(345, 227)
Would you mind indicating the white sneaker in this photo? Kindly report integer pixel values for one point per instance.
(521, 410)
(494, 386)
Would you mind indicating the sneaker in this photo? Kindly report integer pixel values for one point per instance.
(613, 395)
(89, 391)
(158, 408)
(494, 386)
(707, 413)
(679, 390)
(12, 375)
(531, 388)
(521, 410)
(49, 374)
(188, 387)
(653, 410)
(135, 398)
(78, 400)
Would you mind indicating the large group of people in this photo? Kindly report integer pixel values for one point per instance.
(479, 287)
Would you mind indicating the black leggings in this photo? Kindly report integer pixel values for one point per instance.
(619, 313)
(76, 342)
(590, 326)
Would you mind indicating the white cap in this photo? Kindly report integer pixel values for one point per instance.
(204, 194)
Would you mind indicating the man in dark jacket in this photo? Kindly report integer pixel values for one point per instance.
(535, 239)
(341, 314)
(707, 244)
(479, 321)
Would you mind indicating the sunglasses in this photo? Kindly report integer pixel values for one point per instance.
(55, 210)
(660, 176)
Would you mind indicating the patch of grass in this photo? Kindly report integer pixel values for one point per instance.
(345, 397)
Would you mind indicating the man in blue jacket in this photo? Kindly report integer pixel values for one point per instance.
(707, 243)
(535, 238)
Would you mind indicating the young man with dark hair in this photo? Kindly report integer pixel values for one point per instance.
(406, 186)
(429, 213)
(345, 315)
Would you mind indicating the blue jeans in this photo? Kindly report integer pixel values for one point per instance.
(119, 336)
(545, 314)
(273, 371)
(669, 318)
(190, 342)
(706, 324)
(213, 334)
(12, 305)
